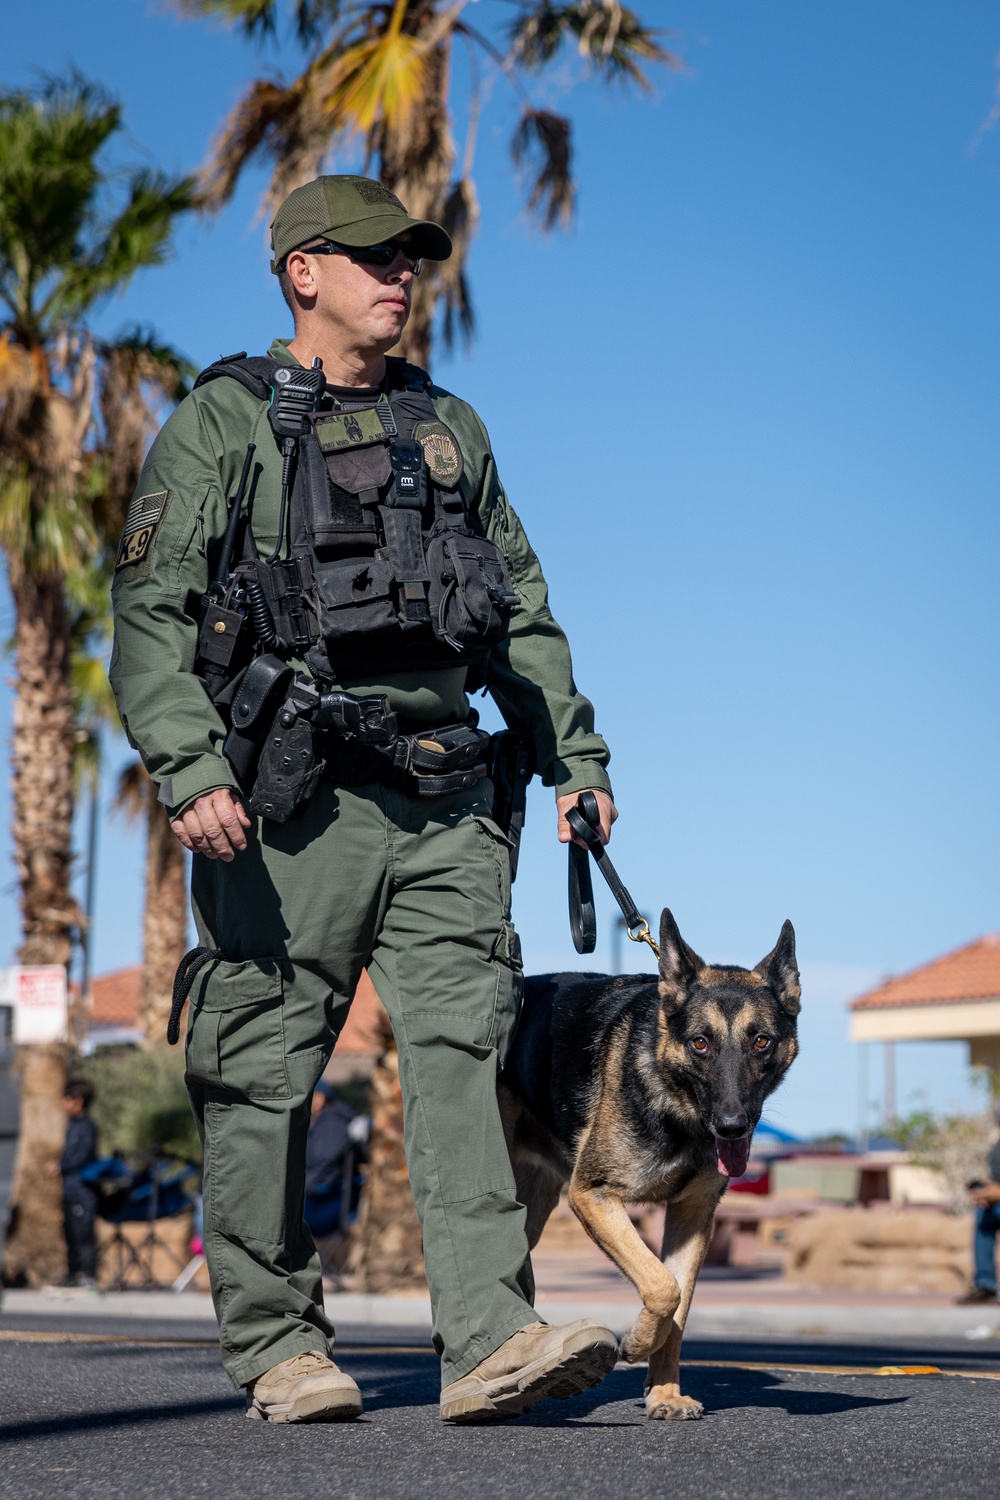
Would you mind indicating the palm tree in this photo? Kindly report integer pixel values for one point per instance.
(377, 87)
(64, 249)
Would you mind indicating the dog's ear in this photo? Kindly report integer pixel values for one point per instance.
(781, 971)
(679, 964)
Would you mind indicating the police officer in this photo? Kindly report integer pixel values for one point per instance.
(398, 582)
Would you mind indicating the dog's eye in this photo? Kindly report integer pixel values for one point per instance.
(699, 1045)
(761, 1042)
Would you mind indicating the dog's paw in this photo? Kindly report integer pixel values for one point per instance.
(636, 1345)
(664, 1406)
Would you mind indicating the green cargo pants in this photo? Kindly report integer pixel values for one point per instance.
(417, 891)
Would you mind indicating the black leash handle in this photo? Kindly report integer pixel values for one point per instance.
(582, 916)
(585, 821)
(190, 966)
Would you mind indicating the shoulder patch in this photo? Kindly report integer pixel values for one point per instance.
(144, 515)
(442, 452)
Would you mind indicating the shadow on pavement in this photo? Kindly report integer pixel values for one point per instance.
(133, 1416)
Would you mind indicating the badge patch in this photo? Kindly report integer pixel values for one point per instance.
(143, 517)
(441, 450)
(350, 429)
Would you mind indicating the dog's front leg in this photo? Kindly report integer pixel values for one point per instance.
(686, 1233)
(603, 1216)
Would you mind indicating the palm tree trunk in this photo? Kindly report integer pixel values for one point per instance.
(164, 919)
(42, 757)
(389, 1249)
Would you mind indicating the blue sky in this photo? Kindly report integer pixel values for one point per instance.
(747, 410)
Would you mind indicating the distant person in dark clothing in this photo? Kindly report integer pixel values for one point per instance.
(986, 1198)
(334, 1131)
(79, 1198)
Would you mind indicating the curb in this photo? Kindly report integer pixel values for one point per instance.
(735, 1321)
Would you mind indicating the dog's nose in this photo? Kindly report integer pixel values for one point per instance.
(731, 1127)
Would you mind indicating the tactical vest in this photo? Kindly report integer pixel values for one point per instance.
(383, 570)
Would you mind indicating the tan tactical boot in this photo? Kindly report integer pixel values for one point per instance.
(305, 1388)
(540, 1362)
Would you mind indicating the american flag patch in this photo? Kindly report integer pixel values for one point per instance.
(140, 525)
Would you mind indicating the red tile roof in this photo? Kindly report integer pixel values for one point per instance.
(970, 973)
(116, 997)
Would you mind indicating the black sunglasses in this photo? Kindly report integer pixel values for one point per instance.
(381, 255)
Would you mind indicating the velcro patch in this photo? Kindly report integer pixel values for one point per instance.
(442, 453)
(140, 527)
(350, 429)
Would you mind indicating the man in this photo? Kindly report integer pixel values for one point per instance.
(397, 573)
(985, 1198)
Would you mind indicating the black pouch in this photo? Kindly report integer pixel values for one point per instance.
(471, 594)
(288, 770)
(355, 598)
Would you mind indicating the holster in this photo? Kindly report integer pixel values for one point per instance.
(253, 710)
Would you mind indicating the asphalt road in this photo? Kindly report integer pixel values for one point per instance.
(101, 1418)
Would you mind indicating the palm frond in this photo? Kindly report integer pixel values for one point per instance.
(608, 35)
(461, 219)
(258, 18)
(139, 376)
(545, 140)
(253, 17)
(139, 236)
(380, 77)
(266, 122)
(132, 790)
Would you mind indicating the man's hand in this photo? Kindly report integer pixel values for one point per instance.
(609, 813)
(213, 825)
(988, 1194)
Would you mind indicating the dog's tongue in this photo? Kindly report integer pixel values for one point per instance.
(733, 1156)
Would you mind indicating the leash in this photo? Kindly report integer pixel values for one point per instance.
(585, 821)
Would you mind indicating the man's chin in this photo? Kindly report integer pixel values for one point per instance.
(390, 323)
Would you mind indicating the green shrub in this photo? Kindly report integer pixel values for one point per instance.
(141, 1103)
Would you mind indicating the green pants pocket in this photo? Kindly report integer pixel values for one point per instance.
(510, 986)
(236, 1034)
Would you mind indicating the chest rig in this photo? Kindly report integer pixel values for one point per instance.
(380, 567)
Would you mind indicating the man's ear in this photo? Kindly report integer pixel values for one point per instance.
(781, 971)
(679, 964)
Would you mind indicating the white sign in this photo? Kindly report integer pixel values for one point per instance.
(38, 996)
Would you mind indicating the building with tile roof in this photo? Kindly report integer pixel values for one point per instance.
(954, 998)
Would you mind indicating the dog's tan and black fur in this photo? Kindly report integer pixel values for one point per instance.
(638, 1090)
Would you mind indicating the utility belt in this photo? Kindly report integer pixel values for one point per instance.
(289, 732)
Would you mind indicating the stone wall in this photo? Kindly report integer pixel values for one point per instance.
(881, 1250)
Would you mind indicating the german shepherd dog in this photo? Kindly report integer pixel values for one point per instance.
(635, 1090)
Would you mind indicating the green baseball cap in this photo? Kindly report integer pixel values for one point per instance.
(352, 211)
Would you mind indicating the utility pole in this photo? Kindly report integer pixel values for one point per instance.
(82, 1019)
(889, 1082)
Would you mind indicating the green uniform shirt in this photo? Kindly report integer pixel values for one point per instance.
(186, 486)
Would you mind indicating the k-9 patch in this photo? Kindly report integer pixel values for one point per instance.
(143, 517)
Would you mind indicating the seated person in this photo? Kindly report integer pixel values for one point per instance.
(336, 1135)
